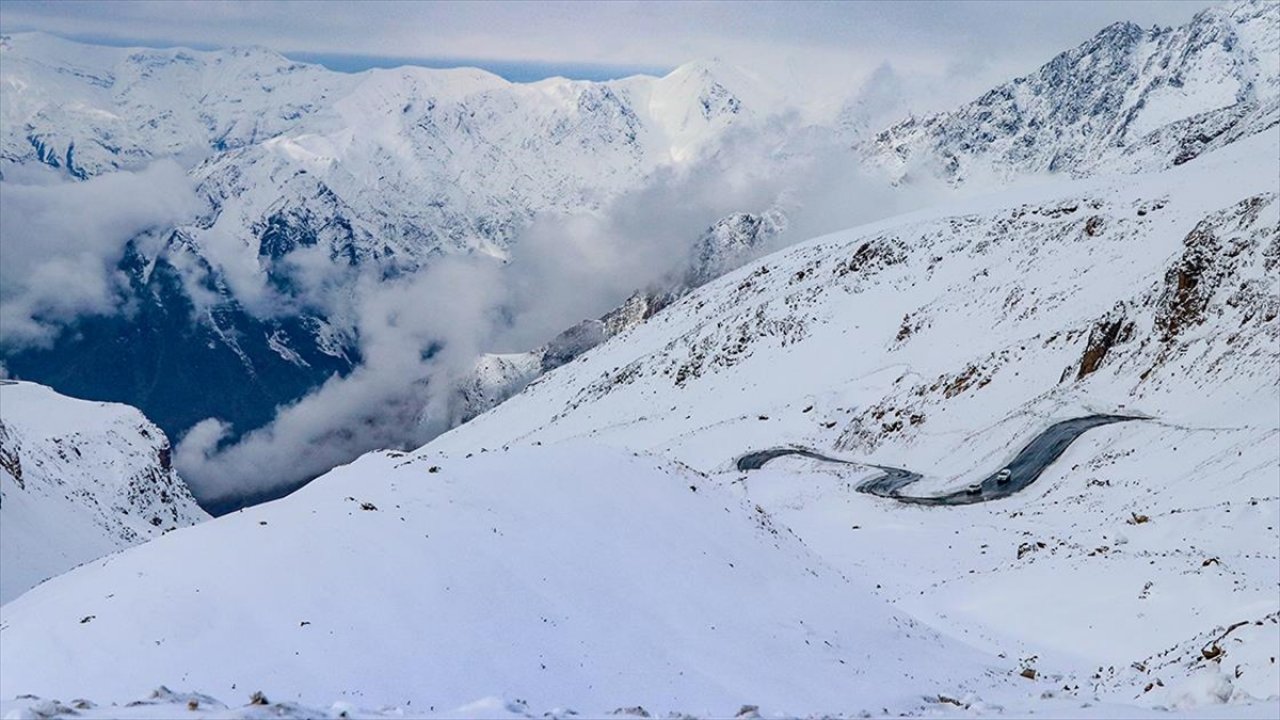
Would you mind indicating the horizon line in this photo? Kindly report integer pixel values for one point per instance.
(516, 71)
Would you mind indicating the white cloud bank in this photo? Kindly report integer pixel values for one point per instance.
(421, 334)
(60, 243)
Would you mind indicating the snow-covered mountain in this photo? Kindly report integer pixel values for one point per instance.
(79, 480)
(311, 178)
(728, 244)
(942, 341)
(88, 109)
(1129, 98)
(592, 543)
(305, 173)
(408, 162)
(417, 579)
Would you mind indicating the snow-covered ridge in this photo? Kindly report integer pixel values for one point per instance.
(942, 341)
(79, 480)
(729, 243)
(945, 336)
(575, 574)
(376, 138)
(590, 543)
(1128, 99)
(114, 107)
(306, 172)
(311, 177)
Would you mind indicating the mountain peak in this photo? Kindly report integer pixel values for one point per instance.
(253, 52)
(704, 67)
(1124, 32)
(1163, 95)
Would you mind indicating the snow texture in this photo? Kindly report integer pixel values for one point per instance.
(79, 480)
(589, 542)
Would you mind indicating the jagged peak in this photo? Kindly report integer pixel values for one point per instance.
(1244, 10)
(706, 67)
(250, 52)
(1122, 31)
(715, 81)
(714, 71)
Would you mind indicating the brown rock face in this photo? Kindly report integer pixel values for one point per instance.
(1105, 335)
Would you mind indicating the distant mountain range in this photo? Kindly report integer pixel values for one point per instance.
(584, 540)
(382, 171)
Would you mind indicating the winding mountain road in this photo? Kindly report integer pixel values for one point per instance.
(1024, 469)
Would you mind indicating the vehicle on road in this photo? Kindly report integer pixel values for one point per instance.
(974, 488)
(1003, 476)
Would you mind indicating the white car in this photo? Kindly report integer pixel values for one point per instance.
(974, 489)
(1002, 477)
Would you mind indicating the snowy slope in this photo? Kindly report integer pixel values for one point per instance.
(531, 565)
(89, 109)
(944, 340)
(78, 480)
(410, 161)
(307, 174)
(311, 178)
(574, 576)
(1128, 98)
(1054, 259)
(589, 543)
(728, 244)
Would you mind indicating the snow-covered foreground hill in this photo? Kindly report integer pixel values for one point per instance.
(590, 545)
(79, 480)
(576, 575)
(531, 582)
(942, 342)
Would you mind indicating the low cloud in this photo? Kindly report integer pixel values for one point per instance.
(416, 333)
(421, 334)
(61, 242)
